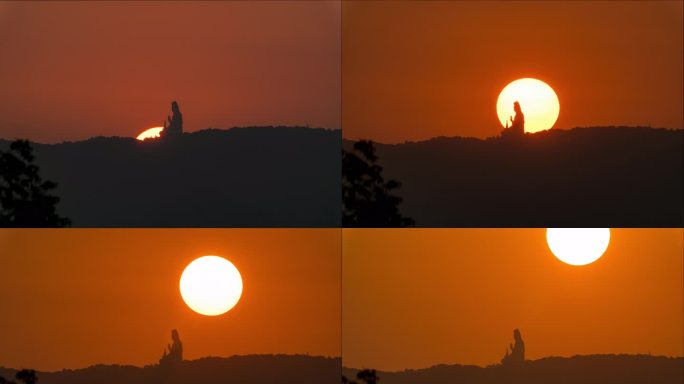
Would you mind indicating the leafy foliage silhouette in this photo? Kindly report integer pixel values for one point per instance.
(368, 200)
(26, 376)
(369, 376)
(25, 199)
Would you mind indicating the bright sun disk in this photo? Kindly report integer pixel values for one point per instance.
(150, 133)
(538, 102)
(578, 246)
(211, 285)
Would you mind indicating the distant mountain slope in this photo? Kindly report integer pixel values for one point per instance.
(242, 177)
(592, 369)
(252, 369)
(600, 176)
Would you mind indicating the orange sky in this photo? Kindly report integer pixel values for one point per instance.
(413, 298)
(72, 298)
(74, 70)
(416, 70)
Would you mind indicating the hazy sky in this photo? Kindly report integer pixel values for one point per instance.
(416, 70)
(73, 70)
(73, 298)
(414, 298)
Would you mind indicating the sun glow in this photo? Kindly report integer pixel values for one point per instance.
(578, 246)
(150, 133)
(211, 285)
(538, 101)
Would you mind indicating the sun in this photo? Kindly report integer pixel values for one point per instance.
(211, 285)
(538, 101)
(150, 133)
(578, 246)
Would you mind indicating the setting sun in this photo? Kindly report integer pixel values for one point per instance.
(150, 133)
(538, 101)
(578, 246)
(211, 285)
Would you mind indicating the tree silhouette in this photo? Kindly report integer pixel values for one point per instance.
(367, 198)
(28, 376)
(25, 199)
(369, 376)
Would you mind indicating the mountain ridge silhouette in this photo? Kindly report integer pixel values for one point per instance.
(240, 177)
(590, 369)
(245, 369)
(592, 176)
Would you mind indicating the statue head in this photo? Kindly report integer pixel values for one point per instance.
(174, 107)
(516, 335)
(516, 107)
(174, 335)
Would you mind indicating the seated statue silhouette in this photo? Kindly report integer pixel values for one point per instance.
(516, 355)
(173, 354)
(173, 128)
(517, 127)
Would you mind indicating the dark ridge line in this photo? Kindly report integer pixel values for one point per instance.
(551, 131)
(204, 131)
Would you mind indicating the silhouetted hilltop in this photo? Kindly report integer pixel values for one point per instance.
(242, 177)
(599, 176)
(590, 369)
(249, 369)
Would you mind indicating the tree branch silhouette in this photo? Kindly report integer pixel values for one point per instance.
(25, 199)
(368, 200)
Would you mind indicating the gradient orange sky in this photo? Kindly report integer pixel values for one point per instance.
(413, 298)
(74, 70)
(72, 298)
(416, 70)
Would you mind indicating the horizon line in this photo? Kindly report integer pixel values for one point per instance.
(183, 361)
(526, 361)
(499, 136)
(187, 132)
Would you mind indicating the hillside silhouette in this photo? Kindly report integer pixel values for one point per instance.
(598, 176)
(249, 369)
(589, 369)
(241, 177)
